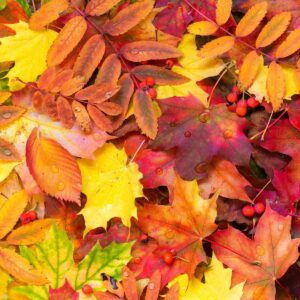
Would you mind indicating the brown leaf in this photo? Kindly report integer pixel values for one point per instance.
(110, 71)
(273, 29)
(217, 46)
(122, 98)
(89, 57)
(10, 113)
(147, 50)
(4, 96)
(129, 284)
(50, 106)
(65, 112)
(97, 92)
(37, 101)
(20, 268)
(59, 80)
(110, 108)
(276, 85)
(99, 118)
(251, 19)
(8, 152)
(249, 69)
(128, 17)
(203, 28)
(100, 7)
(144, 113)
(30, 233)
(47, 78)
(153, 286)
(162, 76)
(67, 40)
(47, 13)
(82, 117)
(11, 211)
(72, 86)
(173, 292)
(223, 11)
(290, 45)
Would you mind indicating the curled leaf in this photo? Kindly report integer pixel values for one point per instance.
(223, 11)
(10, 113)
(217, 47)
(273, 29)
(162, 76)
(147, 50)
(67, 40)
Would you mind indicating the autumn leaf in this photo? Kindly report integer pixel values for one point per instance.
(111, 186)
(99, 7)
(217, 47)
(289, 45)
(203, 28)
(64, 292)
(26, 48)
(223, 11)
(30, 292)
(8, 152)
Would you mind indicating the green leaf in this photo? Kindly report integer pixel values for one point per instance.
(25, 6)
(56, 255)
(109, 260)
(3, 4)
(33, 292)
(29, 254)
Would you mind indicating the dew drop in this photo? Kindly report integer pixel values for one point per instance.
(134, 51)
(60, 186)
(228, 134)
(137, 260)
(260, 251)
(169, 234)
(204, 117)
(108, 95)
(151, 286)
(6, 115)
(187, 134)
(7, 152)
(159, 171)
(54, 169)
(125, 274)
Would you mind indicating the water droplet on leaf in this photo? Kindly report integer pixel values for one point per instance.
(204, 117)
(7, 152)
(6, 115)
(151, 286)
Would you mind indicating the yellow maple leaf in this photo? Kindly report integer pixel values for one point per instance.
(217, 284)
(194, 68)
(28, 49)
(111, 187)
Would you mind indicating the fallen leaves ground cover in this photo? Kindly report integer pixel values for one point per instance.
(149, 149)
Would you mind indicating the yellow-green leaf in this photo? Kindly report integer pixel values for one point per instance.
(28, 49)
(111, 186)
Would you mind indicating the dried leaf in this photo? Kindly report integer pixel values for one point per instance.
(89, 57)
(65, 112)
(97, 92)
(273, 29)
(276, 85)
(110, 71)
(290, 45)
(10, 113)
(153, 286)
(8, 152)
(48, 13)
(11, 211)
(249, 69)
(46, 78)
(147, 50)
(20, 268)
(223, 11)
(128, 17)
(100, 7)
(110, 108)
(144, 113)
(54, 169)
(217, 47)
(82, 117)
(251, 19)
(50, 106)
(129, 284)
(30, 233)
(59, 80)
(203, 28)
(67, 40)
(162, 76)
(73, 85)
(101, 121)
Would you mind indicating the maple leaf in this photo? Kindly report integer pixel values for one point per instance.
(259, 261)
(199, 134)
(30, 292)
(217, 284)
(64, 292)
(26, 48)
(111, 187)
(181, 226)
(192, 67)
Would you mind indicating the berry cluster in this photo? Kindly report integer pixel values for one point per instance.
(239, 106)
(249, 210)
(28, 217)
(147, 86)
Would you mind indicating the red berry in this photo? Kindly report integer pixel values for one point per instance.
(87, 289)
(236, 90)
(168, 258)
(25, 218)
(150, 81)
(169, 63)
(248, 211)
(241, 111)
(32, 215)
(252, 102)
(232, 97)
(152, 92)
(242, 103)
(259, 208)
(144, 85)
